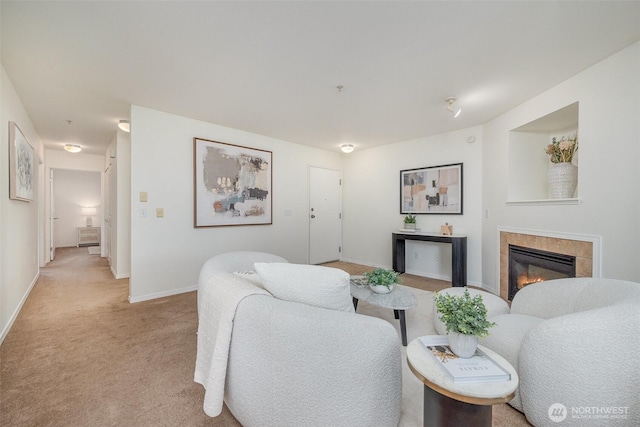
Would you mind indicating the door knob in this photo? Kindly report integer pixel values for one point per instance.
(313, 216)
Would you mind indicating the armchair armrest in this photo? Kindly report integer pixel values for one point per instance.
(583, 360)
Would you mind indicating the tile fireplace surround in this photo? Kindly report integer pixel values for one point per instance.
(585, 249)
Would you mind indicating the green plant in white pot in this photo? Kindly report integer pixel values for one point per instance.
(381, 280)
(410, 222)
(466, 320)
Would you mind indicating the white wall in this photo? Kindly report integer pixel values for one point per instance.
(167, 253)
(372, 203)
(609, 177)
(73, 191)
(20, 221)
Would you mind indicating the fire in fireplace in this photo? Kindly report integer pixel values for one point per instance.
(527, 266)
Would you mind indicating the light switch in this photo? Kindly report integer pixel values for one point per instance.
(143, 213)
(143, 196)
(159, 212)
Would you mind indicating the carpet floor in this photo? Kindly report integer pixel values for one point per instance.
(79, 354)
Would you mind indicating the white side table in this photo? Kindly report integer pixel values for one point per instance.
(399, 300)
(458, 404)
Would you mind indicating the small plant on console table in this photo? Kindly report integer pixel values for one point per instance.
(410, 222)
(381, 280)
(466, 320)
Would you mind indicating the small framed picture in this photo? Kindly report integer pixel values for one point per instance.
(431, 190)
(21, 165)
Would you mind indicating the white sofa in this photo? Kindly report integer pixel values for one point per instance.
(293, 364)
(574, 342)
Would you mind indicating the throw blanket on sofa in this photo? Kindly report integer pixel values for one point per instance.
(221, 294)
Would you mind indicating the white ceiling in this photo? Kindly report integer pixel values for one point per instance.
(272, 67)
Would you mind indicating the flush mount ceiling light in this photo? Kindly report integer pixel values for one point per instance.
(124, 125)
(72, 148)
(346, 148)
(453, 110)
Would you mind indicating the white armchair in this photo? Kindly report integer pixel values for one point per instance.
(573, 342)
(294, 364)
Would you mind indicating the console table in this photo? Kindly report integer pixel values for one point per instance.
(458, 252)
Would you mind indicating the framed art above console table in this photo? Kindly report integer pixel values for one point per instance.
(432, 190)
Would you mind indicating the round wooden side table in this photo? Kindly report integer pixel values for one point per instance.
(447, 403)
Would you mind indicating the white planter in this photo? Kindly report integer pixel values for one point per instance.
(562, 179)
(463, 345)
(381, 289)
(410, 226)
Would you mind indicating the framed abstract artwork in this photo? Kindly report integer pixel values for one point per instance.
(432, 190)
(232, 184)
(21, 165)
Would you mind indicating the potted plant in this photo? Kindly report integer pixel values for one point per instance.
(410, 222)
(381, 281)
(466, 320)
(562, 175)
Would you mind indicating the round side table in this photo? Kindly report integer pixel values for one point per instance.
(447, 403)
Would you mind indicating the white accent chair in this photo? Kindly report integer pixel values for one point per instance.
(575, 342)
(293, 364)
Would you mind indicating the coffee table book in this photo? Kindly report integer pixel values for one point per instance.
(478, 368)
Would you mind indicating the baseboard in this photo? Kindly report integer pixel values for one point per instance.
(118, 276)
(162, 294)
(13, 317)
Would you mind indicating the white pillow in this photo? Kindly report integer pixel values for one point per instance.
(309, 284)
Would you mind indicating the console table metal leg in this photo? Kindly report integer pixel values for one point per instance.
(403, 326)
(442, 411)
(355, 303)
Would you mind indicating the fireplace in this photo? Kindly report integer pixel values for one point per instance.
(529, 265)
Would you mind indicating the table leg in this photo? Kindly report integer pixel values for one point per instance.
(355, 303)
(442, 411)
(403, 326)
(397, 251)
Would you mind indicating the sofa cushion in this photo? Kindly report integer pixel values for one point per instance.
(309, 284)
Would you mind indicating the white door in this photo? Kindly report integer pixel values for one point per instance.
(52, 217)
(325, 215)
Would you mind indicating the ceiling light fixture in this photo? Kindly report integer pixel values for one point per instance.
(453, 110)
(124, 125)
(346, 148)
(72, 148)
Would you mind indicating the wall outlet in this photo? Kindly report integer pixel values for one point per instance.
(438, 257)
(415, 255)
(143, 196)
(159, 212)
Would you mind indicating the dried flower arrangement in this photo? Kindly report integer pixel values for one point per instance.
(562, 151)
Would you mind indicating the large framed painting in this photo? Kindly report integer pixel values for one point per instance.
(232, 184)
(432, 190)
(21, 165)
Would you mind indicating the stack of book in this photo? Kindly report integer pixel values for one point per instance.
(478, 368)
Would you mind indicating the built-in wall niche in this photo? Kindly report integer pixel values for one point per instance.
(528, 162)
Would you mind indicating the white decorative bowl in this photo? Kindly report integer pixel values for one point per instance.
(381, 289)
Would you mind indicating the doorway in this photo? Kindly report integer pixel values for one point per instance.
(75, 206)
(325, 215)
